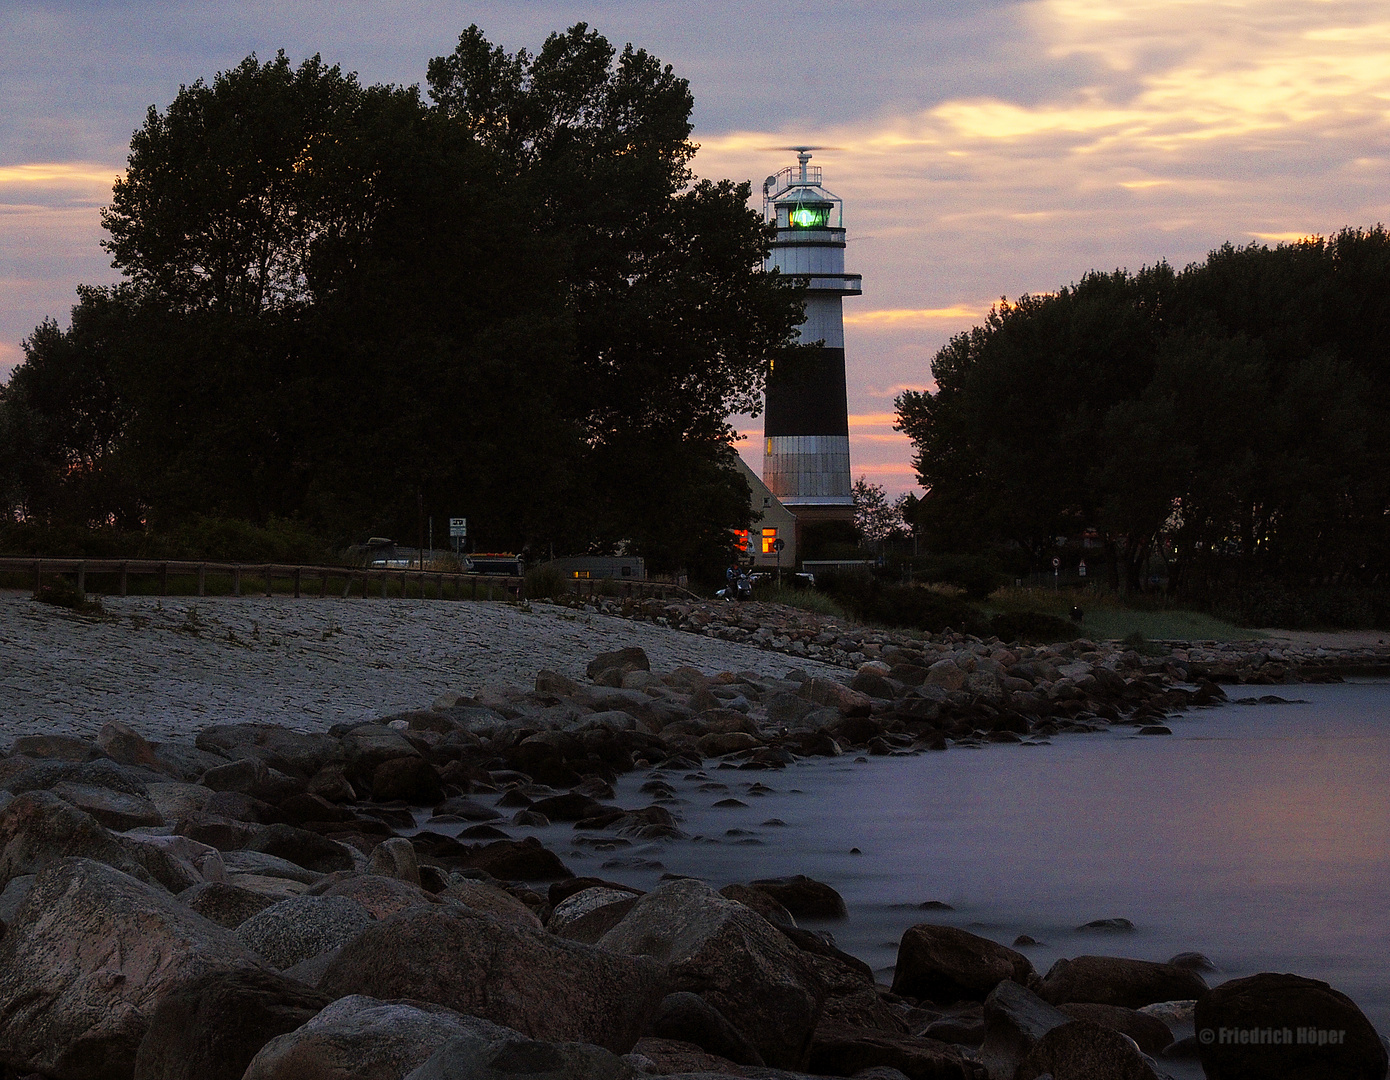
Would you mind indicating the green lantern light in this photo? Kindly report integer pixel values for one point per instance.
(810, 217)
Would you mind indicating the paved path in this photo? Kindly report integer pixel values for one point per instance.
(170, 667)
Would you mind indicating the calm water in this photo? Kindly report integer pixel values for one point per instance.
(1259, 835)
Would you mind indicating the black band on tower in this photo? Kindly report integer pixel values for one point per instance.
(806, 394)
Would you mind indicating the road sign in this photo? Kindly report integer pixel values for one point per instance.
(1056, 563)
(1081, 569)
(458, 528)
(778, 544)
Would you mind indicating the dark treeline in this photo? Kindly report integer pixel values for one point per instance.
(348, 306)
(1226, 427)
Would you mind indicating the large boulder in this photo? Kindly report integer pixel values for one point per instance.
(253, 777)
(538, 984)
(410, 779)
(621, 661)
(381, 896)
(297, 929)
(733, 958)
(488, 899)
(517, 860)
(303, 848)
(515, 1057)
(839, 1051)
(1149, 1033)
(225, 904)
(1081, 1050)
(1285, 1027)
(836, 695)
(90, 953)
(210, 1027)
(1015, 1020)
(1116, 980)
(37, 828)
(946, 964)
(117, 810)
(359, 1038)
(689, 1018)
(290, 752)
(803, 897)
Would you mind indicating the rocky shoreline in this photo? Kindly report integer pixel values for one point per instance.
(828, 640)
(272, 904)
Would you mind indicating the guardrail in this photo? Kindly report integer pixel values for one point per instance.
(266, 574)
(302, 579)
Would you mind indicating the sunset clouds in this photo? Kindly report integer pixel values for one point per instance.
(982, 148)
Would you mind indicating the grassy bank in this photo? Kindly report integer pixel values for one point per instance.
(1107, 616)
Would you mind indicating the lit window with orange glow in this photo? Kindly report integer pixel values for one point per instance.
(741, 540)
(769, 535)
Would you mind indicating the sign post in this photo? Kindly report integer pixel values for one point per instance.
(1056, 571)
(458, 532)
(777, 546)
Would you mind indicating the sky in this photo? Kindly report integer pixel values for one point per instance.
(983, 148)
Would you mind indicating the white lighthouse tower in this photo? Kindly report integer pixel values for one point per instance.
(806, 421)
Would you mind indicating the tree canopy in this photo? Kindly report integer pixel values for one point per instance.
(352, 305)
(1229, 422)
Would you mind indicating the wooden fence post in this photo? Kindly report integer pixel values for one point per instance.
(236, 580)
(164, 579)
(38, 577)
(296, 582)
(323, 585)
(202, 578)
(82, 578)
(268, 590)
(125, 581)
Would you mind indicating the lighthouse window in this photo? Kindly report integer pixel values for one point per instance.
(810, 217)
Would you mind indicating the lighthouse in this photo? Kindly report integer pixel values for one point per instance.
(806, 419)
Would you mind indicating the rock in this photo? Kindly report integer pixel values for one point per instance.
(539, 984)
(486, 899)
(517, 860)
(381, 896)
(175, 801)
(290, 752)
(412, 780)
(395, 858)
(331, 784)
(1319, 1032)
(785, 708)
(1150, 1034)
(1080, 1050)
(841, 1051)
(579, 904)
(13, 895)
(836, 695)
(1015, 1019)
(294, 930)
(227, 905)
(114, 809)
(570, 807)
(716, 744)
(622, 661)
(121, 743)
(1114, 980)
(944, 673)
(733, 958)
(298, 809)
(264, 865)
(306, 849)
(210, 1027)
(590, 927)
(358, 1038)
(42, 775)
(88, 956)
(55, 747)
(945, 964)
(37, 828)
(760, 901)
(689, 1018)
(1193, 961)
(368, 745)
(514, 1057)
(241, 807)
(1107, 926)
(251, 776)
(466, 808)
(804, 897)
(671, 1057)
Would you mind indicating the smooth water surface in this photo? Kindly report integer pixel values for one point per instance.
(1256, 834)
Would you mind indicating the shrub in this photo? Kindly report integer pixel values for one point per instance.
(545, 579)
(63, 593)
(1333, 607)
(978, 575)
(907, 606)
